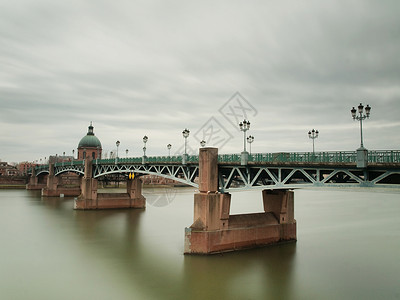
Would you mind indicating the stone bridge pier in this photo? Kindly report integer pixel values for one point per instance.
(55, 188)
(91, 199)
(214, 230)
(34, 183)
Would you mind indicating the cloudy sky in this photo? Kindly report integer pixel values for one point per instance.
(153, 68)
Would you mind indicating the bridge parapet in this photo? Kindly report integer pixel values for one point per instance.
(338, 157)
(265, 170)
(331, 157)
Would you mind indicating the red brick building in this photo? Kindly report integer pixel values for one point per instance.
(23, 167)
(8, 170)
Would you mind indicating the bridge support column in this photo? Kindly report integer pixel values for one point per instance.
(33, 183)
(214, 230)
(52, 182)
(91, 199)
(54, 187)
(134, 189)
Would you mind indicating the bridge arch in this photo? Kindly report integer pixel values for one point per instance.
(42, 172)
(69, 170)
(145, 172)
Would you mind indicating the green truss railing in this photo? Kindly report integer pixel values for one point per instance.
(374, 156)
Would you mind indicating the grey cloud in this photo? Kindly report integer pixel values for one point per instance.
(139, 67)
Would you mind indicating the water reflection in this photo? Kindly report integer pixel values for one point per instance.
(137, 254)
(118, 236)
(264, 273)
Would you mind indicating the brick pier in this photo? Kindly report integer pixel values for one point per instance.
(214, 230)
(91, 199)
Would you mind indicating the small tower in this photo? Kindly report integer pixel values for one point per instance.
(89, 145)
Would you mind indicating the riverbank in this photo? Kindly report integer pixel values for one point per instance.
(12, 186)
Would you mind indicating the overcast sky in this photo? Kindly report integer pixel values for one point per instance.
(154, 68)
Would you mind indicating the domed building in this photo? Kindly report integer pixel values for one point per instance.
(89, 145)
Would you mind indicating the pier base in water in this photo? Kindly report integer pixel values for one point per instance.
(216, 231)
(91, 199)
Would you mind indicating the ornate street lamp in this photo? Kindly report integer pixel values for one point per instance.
(169, 149)
(361, 117)
(145, 139)
(117, 143)
(185, 134)
(313, 134)
(244, 126)
(250, 139)
(126, 151)
(202, 143)
(362, 153)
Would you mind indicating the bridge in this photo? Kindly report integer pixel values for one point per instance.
(263, 170)
(214, 229)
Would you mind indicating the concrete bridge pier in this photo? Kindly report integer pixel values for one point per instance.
(91, 199)
(214, 230)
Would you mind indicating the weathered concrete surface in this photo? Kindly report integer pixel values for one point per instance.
(68, 192)
(110, 201)
(38, 186)
(214, 230)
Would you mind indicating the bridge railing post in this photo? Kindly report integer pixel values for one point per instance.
(362, 157)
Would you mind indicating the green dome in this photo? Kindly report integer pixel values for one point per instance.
(89, 140)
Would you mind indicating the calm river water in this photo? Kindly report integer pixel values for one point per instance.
(348, 248)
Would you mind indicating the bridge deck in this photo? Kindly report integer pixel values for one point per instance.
(271, 170)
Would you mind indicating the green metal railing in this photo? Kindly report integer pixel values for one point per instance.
(374, 156)
(305, 157)
(66, 163)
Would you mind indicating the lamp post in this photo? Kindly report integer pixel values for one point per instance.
(250, 139)
(362, 153)
(169, 149)
(185, 134)
(126, 151)
(202, 143)
(117, 143)
(244, 126)
(313, 134)
(73, 154)
(361, 117)
(145, 139)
